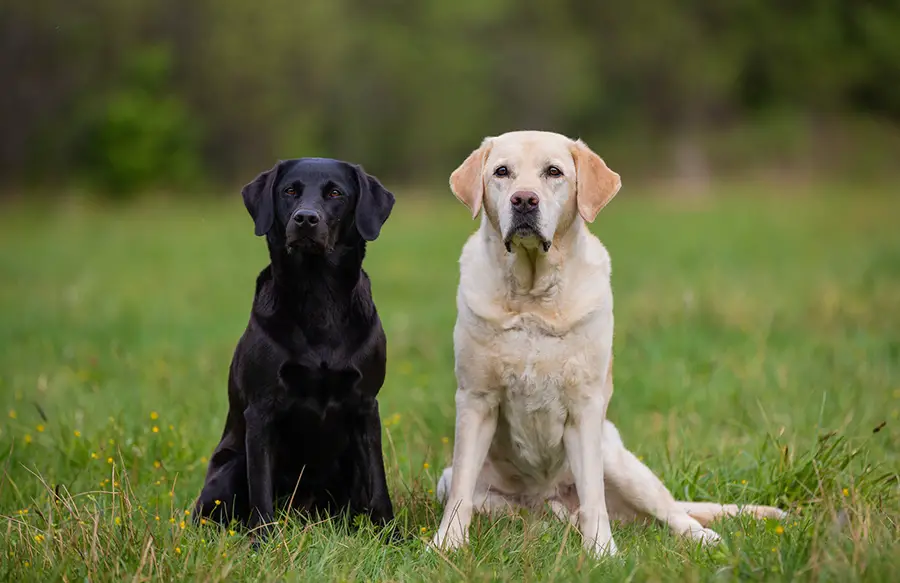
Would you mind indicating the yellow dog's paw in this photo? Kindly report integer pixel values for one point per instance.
(448, 540)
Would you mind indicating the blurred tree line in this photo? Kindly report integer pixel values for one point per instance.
(127, 95)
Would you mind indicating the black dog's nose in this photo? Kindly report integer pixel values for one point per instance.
(306, 218)
(525, 201)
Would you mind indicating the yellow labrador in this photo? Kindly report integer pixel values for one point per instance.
(533, 344)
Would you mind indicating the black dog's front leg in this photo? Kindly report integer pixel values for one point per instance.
(259, 470)
(371, 465)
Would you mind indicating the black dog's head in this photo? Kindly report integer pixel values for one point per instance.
(310, 205)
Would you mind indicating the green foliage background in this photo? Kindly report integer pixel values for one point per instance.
(138, 94)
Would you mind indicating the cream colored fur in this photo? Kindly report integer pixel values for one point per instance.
(533, 346)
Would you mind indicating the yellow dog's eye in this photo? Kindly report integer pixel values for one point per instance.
(334, 193)
(290, 191)
(501, 171)
(554, 171)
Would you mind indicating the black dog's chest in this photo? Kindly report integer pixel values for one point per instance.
(314, 393)
(314, 429)
(319, 405)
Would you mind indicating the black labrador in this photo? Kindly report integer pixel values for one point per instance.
(303, 425)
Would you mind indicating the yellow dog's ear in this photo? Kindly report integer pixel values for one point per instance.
(595, 183)
(467, 181)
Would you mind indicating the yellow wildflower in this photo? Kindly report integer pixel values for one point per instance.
(40, 428)
(155, 429)
(77, 433)
(39, 538)
(154, 415)
(779, 529)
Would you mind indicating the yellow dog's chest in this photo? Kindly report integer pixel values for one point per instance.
(536, 377)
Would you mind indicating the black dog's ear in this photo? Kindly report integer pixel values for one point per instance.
(374, 205)
(259, 199)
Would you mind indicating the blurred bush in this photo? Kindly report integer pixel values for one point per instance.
(140, 136)
(132, 94)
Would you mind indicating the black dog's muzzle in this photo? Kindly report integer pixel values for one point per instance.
(307, 231)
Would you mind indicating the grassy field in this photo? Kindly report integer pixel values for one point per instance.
(757, 352)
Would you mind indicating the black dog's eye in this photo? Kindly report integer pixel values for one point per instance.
(334, 193)
(290, 191)
(554, 171)
(501, 171)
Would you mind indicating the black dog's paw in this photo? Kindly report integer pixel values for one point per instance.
(390, 530)
(381, 517)
(260, 535)
(396, 536)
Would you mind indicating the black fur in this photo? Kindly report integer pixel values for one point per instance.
(303, 423)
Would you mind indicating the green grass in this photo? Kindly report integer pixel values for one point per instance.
(757, 348)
